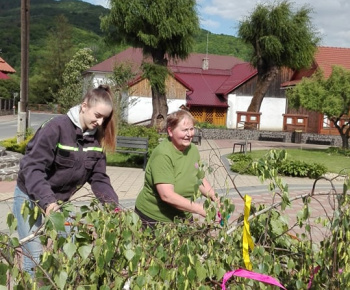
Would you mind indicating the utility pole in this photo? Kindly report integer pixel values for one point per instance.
(22, 124)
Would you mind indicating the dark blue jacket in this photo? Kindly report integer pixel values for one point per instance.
(59, 160)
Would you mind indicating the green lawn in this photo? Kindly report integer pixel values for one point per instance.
(334, 162)
(124, 160)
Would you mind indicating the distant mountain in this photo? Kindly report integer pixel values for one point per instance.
(85, 20)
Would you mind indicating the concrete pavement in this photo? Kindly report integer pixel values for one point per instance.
(127, 182)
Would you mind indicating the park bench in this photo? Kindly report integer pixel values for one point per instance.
(197, 137)
(272, 137)
(321, 140)
(133, 145)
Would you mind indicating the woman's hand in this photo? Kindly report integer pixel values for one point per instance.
(167, 194)
(51, 207)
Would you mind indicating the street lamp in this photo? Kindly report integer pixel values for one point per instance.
(14, 103)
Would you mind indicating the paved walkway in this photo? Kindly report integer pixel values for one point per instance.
(128, 182)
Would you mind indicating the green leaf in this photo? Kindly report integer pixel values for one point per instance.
(57, 220)
(70, 249)
(3, 274)
(11, 222)
(153, 270)
(276, 227)
(61, 280)
(220, 272)
(14, 242)
(129, 254)
(84, 251)
(201, 272)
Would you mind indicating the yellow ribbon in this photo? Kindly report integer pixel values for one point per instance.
(247, 238)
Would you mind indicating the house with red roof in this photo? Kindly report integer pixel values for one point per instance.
(325, 58)
(5, 69)
(208, 85)
(217, 88)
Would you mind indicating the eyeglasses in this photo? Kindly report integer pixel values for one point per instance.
(188, 130)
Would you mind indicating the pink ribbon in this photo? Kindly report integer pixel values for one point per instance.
(250, 275)
(314, 272)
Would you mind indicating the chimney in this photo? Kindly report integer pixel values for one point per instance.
(205, 63)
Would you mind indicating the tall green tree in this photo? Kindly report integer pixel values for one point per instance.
(121, 76)
(59, 51)
(330, 97)
(163, 29)
(73, 85)
(280, 37)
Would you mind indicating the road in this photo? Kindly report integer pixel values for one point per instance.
(8, 124)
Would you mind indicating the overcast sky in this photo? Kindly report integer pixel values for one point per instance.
(330, 17)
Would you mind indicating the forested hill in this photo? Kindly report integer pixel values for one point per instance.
(85, 21)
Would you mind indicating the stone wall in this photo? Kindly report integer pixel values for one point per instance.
(289, 137)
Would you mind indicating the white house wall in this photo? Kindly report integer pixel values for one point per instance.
(140, 108)
(272, 110)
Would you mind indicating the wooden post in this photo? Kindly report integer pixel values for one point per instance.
(22, 123)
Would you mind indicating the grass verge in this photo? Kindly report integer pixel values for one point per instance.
(333, 160)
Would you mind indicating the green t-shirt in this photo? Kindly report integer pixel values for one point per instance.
(171, 166)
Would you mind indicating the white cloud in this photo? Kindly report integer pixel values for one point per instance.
(104, 3)
(329, 17)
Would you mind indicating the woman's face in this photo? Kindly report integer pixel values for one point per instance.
(181, 136)
(94, 116)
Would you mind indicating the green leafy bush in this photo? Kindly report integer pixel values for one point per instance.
(209, 125)
(298, 168)
(140, 131)
(338, 150)
(12, 145)
(133, 160)
(105, 249)
(242, 164)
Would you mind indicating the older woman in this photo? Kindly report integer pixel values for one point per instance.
(171, 175)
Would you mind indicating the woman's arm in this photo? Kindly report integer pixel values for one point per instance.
(168, 195)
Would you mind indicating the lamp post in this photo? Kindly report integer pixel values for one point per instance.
(14, 103)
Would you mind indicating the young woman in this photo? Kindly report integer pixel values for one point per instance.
(171, 175)
(65, 153)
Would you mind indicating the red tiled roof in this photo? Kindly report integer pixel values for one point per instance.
(133, 56)
(325, 58)
(203, 89)
(5, 67)
(194, 61)
(240, 74)
(3, 76)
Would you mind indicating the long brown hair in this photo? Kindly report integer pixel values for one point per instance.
(105, 133)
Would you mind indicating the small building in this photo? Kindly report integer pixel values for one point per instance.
(6, 104)
(5, 69)
(325, 58)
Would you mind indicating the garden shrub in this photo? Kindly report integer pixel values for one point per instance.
(338, 150)
(242, 164)
(297, 168)
(133, 160)
(12, 145)
(141, 131)
(107, 249)
(209, 125)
